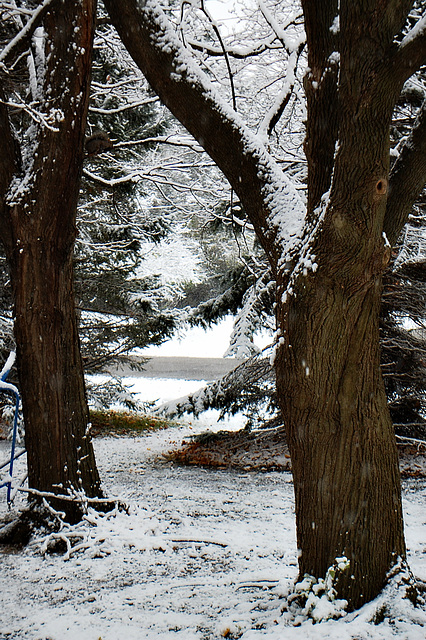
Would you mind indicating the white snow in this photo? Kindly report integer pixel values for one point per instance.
(198, 342)
(416, 32)
(201, 555)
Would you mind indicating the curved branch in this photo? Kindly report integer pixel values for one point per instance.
(407, 178)
(279, 30)
(411, 53)
(124, 107)
(273, 116)
(222, 44)
(270, 199)
(232, 52)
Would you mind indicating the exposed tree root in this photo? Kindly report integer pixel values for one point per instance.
(41, 518)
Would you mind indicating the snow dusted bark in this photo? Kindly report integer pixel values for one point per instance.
(329, 385)
(40, 186)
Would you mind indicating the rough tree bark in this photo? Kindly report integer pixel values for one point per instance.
(38, 231)
(330, 389)
(329, 385)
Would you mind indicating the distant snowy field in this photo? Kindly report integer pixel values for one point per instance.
(193, 343)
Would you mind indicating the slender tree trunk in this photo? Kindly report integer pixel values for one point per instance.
(38, 219)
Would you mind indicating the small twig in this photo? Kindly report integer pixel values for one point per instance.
(258, 584)
(225, 53)
(183, 540)
(411, 440)
(59, 496)
(59, 515)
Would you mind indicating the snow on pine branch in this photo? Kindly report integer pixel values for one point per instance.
(26, 31)
(249, 320)
(248, 388)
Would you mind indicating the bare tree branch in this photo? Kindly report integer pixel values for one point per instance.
(407, 178)
(189, 94)
(225, 54)
(411, 53)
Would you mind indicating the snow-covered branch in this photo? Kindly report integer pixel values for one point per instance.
(411, 53)
(114, 110)
(22, 38)
(290, 43)
(172, 140)
(407, 178)
(270, 198)
(239, 53)
(49, 120)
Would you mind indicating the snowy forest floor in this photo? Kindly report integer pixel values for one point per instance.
(201, 554)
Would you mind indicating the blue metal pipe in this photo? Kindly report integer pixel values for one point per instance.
(10, 388)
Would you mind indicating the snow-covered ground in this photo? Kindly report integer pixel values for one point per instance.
(201, 554)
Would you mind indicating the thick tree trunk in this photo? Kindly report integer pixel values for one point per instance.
(330, 389)
(60, 452)
(38, 219)
(340, 435)
(331, 393)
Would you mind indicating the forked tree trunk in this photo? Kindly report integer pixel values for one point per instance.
(330, 389)
(39, 233)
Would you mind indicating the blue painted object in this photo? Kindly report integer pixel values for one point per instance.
(6, 387)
